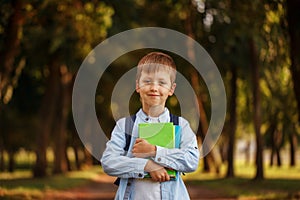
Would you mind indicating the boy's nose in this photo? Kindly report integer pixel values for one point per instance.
(153, 86)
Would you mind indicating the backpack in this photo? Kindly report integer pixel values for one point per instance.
(129, 122)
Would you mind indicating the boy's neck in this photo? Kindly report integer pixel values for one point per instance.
(154, 111)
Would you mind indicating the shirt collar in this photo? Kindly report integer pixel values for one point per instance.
(164, 117)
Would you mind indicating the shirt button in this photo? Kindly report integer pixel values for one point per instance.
(128, 184)
(147, 119)
(159, 159)
(196, 147)
(140, 175)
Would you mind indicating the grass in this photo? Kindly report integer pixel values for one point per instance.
(14, 186)
(57, 182)
(241, 188)
(279, 183)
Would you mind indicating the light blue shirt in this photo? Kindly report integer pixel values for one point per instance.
(116, 162)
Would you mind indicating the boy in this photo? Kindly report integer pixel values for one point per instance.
(155, 82)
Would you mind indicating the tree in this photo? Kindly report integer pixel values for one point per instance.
(67, 31)
(9, 49)
(277, 82)
(17, 119)
(256, 109)
(210, 160)
(232, 122)
(292, 7)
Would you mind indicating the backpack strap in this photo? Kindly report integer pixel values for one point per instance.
(174, 119)
(129, 122)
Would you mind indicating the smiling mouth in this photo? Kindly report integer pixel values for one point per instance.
(153, 95)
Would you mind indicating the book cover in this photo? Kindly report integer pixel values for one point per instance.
(172, 173)
(177, 136)
(161, 134)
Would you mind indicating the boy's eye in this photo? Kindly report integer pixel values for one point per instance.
(162, 83)
(147, 81)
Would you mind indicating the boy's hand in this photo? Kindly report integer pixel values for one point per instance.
(157, 172)
(143, 149)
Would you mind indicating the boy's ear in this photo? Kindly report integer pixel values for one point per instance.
(171, 92)
(137, 88)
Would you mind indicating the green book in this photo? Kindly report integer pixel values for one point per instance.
(160, 134)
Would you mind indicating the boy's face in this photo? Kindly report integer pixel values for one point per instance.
(154, 88)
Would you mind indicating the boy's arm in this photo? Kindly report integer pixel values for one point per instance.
(157, 172)
(143, 149)
(184, 159)
(115, 162)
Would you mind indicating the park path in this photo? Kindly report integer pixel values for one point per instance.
(102, 188)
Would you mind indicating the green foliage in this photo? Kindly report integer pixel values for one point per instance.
(5, 12)
(54, 32)
(67, 31)
(24, 188)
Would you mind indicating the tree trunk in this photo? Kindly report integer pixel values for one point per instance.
(272, 156)
(60, 162)
(2, 164)
(69, 165)
(11, 161)
(63, 108)
(209, 160)
(278, 141)
(293, 15)
(77, 160)
(278, 157)
(293, 145)
(256, 110)
(88, 158)
(11, 43)
(232, 124)
(271, 130)
(247, 152)
(46, 116)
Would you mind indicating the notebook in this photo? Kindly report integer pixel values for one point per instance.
(160, 134)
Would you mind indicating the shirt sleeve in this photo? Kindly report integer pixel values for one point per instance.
(114, 160)
(184, 159)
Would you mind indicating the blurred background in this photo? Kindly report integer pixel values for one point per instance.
(255, 45)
